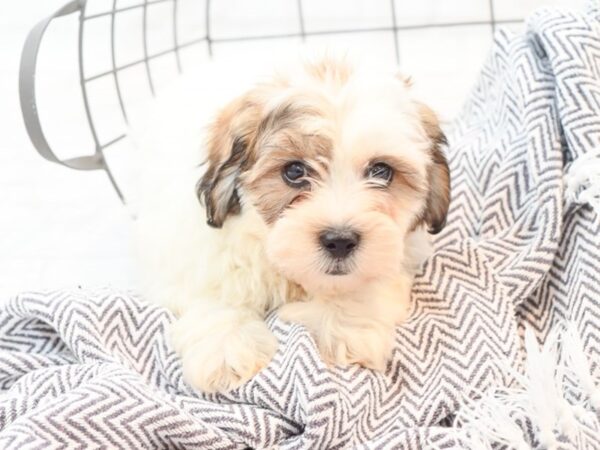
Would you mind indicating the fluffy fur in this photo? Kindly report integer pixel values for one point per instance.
(254, 244)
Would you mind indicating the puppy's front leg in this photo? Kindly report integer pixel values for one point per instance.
(342, 336)
(222, 346)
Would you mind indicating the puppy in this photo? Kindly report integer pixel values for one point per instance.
(320, 187)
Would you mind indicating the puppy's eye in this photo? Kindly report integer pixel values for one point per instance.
(380, 171)
(293, 173)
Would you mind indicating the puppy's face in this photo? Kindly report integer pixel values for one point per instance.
(340, 167)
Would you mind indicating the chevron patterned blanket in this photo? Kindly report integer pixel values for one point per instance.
(518, 259)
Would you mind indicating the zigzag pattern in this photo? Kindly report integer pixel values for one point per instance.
(93, 368)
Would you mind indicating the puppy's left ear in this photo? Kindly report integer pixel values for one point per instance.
(438, 173)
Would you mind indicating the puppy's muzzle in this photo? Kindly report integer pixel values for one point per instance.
(338, 243)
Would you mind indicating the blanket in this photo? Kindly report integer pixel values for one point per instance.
(518, 258)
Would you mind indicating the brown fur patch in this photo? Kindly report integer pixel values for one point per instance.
(280, 143)
(230, 152)
(405, 176)
(438, 173)
(243, 133)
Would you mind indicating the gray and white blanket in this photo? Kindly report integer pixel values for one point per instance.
(93, 369)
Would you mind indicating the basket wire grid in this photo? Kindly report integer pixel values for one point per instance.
(86, 15)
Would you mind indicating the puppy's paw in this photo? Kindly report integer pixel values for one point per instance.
(369, 347)
(219, 359)
(343, 339)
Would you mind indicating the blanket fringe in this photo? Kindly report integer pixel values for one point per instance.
(582, 181)
(555, 396)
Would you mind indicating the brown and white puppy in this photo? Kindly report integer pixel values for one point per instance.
(320, 188)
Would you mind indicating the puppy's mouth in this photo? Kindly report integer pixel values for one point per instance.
(338, 267)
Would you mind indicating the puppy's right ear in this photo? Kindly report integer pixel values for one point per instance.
(230, 151)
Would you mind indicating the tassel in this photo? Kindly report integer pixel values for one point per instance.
(556, 392)
(582, 181)
(578, 366)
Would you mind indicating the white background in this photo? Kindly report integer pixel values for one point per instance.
(60, 227)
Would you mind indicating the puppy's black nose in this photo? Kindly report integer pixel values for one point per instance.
(339, 243)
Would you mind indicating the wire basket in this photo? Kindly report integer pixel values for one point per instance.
(168, 29)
